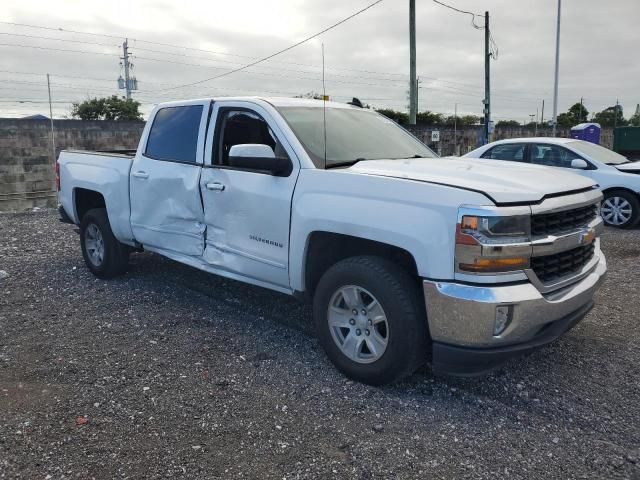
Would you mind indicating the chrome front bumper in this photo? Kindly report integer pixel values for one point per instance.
(463, 315)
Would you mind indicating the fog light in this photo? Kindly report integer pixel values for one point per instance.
(503, 318)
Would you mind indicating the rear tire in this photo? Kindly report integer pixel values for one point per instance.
(103, 254)
(620, 209)
(370, 319)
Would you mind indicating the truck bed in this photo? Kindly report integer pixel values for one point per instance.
(106, 173)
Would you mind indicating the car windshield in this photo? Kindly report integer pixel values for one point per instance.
(352, 135)
(601, 154)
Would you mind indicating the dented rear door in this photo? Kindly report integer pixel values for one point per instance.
(166, 207)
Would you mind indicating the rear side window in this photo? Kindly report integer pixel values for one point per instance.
(174, 134)
(508, 151)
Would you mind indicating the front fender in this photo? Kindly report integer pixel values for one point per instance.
(415, 216)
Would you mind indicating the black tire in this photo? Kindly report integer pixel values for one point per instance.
(630, 198)
(399, 296)
(115, 258)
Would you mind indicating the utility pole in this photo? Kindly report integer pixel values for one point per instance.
(487, 76)
(555, 86)
(537, 120)
(125, 60)
(455, 130)
(581, 109)
(615, 115)
(53, 138)
(413, 93)
(542, 114)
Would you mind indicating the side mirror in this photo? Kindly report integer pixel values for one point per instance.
(260, 158)
(579, 164)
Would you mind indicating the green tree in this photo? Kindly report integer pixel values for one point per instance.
(430, 118)
(108, 108)
(399, 117)
(579, 113)
(566, 120)
(508, 123)
(312, 95)
(635, 120)
(607, 117)
(461, 120)
(576, 114)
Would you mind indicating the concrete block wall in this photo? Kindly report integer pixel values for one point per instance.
(469, 137)
(27, 166)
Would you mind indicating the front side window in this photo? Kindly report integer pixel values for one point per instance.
(240, 127)
(351, 135)
(552, 155)
(598, 152)
(174, 134)
(507, 151)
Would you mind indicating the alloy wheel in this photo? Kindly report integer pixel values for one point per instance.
(358, 324)
(94, 244)
(616, 211)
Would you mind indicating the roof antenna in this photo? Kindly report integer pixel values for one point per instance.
(324, 111)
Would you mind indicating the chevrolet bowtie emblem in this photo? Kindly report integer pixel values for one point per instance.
(587, 236)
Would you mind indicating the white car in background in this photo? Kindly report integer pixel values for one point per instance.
(617, 176)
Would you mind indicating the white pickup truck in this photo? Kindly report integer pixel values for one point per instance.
(406, 257)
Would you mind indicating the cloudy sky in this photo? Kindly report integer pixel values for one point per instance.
(174, 43)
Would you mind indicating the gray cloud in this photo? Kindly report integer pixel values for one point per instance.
(598, 56)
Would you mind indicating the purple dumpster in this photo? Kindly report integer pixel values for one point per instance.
(589, 132)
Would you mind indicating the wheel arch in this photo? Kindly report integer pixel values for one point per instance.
(607, 190)
(325, 248)
(634, 202)
(84, 200)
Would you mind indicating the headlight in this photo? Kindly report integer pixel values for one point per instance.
(496, 229)
(493, 244)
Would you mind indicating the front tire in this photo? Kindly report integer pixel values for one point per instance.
(620, 209)
(370, 319)
(103, 254)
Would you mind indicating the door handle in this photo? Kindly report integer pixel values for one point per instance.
(140, 174)
(215, 186)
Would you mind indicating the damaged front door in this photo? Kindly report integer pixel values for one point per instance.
(248, 210)
(166, 208)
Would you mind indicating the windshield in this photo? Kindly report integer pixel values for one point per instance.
(601, 154)
(352, 135)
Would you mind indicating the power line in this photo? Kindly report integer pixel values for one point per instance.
(473, 15)
(59, 29)
(434, 79)
(38, 37)
(494, 52)
(54, 49)
(170, 45)
(264, 59)
(252, 72)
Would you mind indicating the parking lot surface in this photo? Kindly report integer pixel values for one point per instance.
(170, 372)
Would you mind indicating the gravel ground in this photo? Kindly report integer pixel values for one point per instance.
(170, 372)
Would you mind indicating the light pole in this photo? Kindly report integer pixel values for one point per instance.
(555, 86)
(413, 90)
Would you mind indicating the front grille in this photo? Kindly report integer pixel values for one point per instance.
(558, 265)
(552, 223)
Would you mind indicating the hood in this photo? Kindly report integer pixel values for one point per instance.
(504, 182)
(633, 167)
